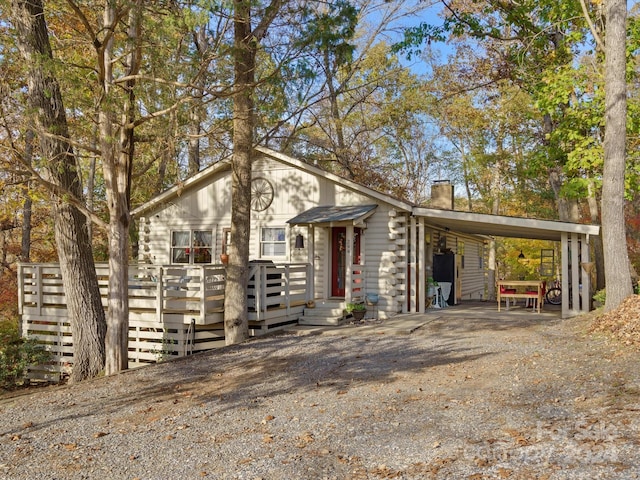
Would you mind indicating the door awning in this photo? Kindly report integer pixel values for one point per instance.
(334, 214)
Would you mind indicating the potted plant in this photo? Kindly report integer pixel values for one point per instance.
(358, 310)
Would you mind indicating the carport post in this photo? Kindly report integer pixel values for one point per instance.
(413, 270)
(586, 274)
(422, 266)
(570, 255)
(564, 258)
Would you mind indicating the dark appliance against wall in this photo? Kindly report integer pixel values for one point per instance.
(444, 270)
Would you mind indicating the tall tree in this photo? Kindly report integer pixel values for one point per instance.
(236, 323)
(129, 72)
(245, 48)
(368, 107)
(298, 24)
(74, 250)
(523, 44)
(27, 207)
(547, 49)
(616, 260)
(117, 149)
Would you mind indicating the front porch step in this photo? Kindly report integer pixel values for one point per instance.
(324, 313)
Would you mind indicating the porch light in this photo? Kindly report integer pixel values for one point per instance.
(521, 256)
(299, 241)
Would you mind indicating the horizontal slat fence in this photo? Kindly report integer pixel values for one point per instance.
(174, 310)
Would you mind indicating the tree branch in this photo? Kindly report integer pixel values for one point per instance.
(592, 27)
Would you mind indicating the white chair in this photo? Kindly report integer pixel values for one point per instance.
(445, 290)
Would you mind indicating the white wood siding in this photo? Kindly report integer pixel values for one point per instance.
(386, 238)
(473, 275)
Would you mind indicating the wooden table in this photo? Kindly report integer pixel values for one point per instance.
(534, 291)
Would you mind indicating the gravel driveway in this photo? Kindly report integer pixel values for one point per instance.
(462, 396)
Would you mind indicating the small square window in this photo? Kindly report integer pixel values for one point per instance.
(273, 242)
(191, 246)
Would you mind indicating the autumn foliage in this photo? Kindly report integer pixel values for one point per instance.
(623, 323)
(8, 297)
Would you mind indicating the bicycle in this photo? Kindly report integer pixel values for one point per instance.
(554, 294)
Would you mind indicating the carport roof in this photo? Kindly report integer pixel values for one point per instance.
(502, 226)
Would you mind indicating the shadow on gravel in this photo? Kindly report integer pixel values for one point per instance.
(242, 375)
(481, 320)
(290, 364)
(286, 364)
(483, 326)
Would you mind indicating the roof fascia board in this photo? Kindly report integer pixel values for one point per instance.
(469, 236)
(525, 223)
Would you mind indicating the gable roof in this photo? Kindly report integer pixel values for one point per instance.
(350, 184)
(456, 221)
(205, 175)
(178, 189)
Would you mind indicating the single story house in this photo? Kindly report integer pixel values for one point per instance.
(358, 243)
(318, 242)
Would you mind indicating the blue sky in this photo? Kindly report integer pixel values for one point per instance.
(431, 16)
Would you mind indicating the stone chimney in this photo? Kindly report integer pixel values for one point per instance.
(442, 195)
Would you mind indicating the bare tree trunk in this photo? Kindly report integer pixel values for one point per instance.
(616, 257)
(74, 250)
(236, 323)
(117, 159)
(555, 182)
(196, 113)
(25, 248)
(596, 242)
(341, 150)
(169, 153)
(91, 180)
(467, 177)
(195, 130)
(3, 250)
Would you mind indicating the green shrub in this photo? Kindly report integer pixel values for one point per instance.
(16, 354)
(600, 296)
(356, 307)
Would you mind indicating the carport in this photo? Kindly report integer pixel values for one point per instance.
(573, 237)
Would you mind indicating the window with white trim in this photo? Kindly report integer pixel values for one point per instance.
(191, 246)
(273, 242)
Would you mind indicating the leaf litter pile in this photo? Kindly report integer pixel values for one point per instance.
(622, 323)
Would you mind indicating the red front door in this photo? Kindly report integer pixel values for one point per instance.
(339, 258)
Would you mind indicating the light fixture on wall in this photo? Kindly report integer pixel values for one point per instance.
(299, 241)
(521, 256)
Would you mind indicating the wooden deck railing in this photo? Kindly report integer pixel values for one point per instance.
(173, 310)
(154, 291)
(278, 287)
(193, 291)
